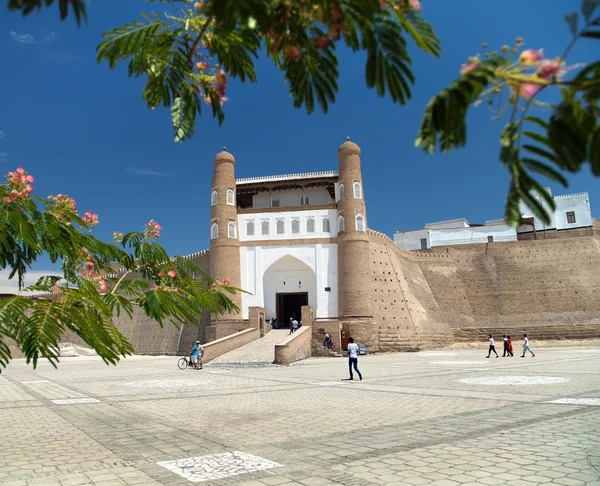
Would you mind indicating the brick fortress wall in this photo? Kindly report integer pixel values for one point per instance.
(547, 287)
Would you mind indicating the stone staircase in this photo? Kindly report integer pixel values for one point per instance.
(390, 340)
(258, 352)
(541, 333)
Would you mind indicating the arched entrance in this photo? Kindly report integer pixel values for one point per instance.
(288, 284)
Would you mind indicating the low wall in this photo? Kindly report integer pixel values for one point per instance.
(228, 343)
(295, 348)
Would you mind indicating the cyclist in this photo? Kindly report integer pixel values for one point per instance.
(197, 349)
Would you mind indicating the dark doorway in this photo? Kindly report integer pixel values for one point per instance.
(290, 305)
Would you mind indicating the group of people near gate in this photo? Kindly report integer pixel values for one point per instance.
(508, 347)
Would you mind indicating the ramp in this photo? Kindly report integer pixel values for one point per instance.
(261, 351)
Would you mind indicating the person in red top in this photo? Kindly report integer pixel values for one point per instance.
(510, 348)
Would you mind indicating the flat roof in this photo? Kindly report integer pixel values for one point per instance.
(288, 177)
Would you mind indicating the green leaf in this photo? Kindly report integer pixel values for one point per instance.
(594, 151)
(131, 39)
(420, 31)
(588, 7)
(590, 34)
(544, 170)
(444, 121)
(571, 20)
(540, 151)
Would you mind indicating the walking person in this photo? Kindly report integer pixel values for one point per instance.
(526, 347)
(510, 347)
(492, 348)
(506, 351)
(353, 358)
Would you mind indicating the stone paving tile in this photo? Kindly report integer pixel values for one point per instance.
(409, 422)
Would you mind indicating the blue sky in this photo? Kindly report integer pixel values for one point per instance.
(83, 129)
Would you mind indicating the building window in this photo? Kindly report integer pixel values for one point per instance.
(310, 225)
(423, 243)
(341, 192)
(264, 227)
(250, 228)
(490, 239)
(214, 198)
(231, 230)
(571, 217)
(214, 231)
(295, 226)
(357, 190)
(340, 224)
(230, 197)
(275, 203)
(326, 225)
(280, 227)
(360, 222)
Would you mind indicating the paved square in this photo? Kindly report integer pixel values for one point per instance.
(439, 418)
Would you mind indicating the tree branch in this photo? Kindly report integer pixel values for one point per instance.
(199, 38)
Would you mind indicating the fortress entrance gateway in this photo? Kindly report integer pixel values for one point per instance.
(288, 284)
(290, 305)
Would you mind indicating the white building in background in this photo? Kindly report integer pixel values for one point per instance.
(572, 212)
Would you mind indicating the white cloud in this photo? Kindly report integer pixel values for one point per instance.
(12, 286)
(147, 172)
(50, 37)
(22, 38)
(2, 135)
(3, 157)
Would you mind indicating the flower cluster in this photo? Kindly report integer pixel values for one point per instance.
(170, 273)
(19, 185)
(87, 267)
(152, 229)
(525, 76)
(102, 284)
(90, 219)
(222, 283)
(164, 288)
(63, 206)
(117, 236)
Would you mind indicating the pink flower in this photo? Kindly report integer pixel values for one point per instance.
(467, 68)
(528, 90)
(201, 66)
(225, 282)
(30, 178)
(550, 69)
(20, 170)
(293, 52)
(530, 56)
(55, 288)
(416, 4)
(172, 273)
(161, 274)
(29, 188)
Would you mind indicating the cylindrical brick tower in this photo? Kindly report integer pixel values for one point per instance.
(224, 241)
(354, 269)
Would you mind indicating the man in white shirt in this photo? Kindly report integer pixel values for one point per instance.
(526, 347)
(353, 358)
(492, 347)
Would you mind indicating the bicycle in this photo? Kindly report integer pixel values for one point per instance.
(186, 362)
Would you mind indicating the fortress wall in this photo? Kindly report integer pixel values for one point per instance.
(405, 309)
(552, 282)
